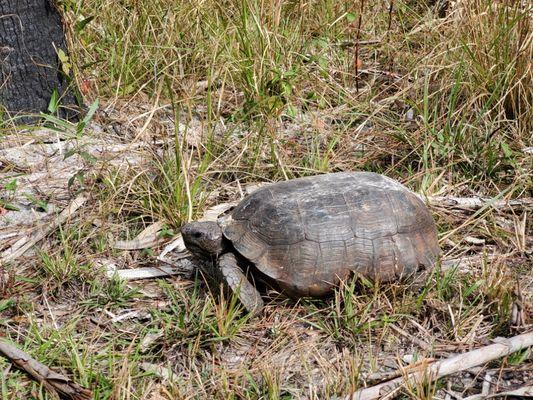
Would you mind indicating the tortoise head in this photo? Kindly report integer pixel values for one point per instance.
(203, 239)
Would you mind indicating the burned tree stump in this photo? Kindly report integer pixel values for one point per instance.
(31, 37)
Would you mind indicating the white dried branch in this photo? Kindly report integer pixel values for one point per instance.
(147, 238)
(175, 245)
(26, 242)
(526, 391)
(441, 368)
(474, 203)
(153, 272)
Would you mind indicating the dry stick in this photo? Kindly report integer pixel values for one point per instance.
(474, 203)
(387, 376)
(389, 23)
(448, 366)
(465, 263)
(52, 381)
(525, 391)
(147, 238)
(25, 243)
(185, 269)
(358, 37)
(478, 212)
(347, 44)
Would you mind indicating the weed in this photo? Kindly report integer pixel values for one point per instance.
(113, 293)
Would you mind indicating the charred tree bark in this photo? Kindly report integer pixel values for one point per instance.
(31, 33)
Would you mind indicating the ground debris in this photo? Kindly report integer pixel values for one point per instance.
(52, 381)
(433, 370)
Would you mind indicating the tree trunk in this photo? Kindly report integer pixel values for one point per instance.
(31, 34)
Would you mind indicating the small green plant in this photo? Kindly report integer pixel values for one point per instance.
(270, 379)
(230, 316)
(61, 125)
(8, 206)
(63, 268)
(352, 312)
(5, 304)
(41, 205)
(10, 189)
(113, 293)
(166, 232)
(425, 389)
(11, 186)
(445, 282)
(519, 357)
(173, 189)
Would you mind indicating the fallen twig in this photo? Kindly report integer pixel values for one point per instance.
(147, 238)
(448, 366)
(386, 376)
(352, 43)
(526, 391)
(176, 245)
(474, 203)
(52, 381)
(185, 268)
(23, 244)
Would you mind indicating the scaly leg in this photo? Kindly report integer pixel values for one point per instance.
(239, 284)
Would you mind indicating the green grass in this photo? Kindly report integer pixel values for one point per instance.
(228, 93)
(466, 78)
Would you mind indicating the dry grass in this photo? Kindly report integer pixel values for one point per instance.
(205, 97)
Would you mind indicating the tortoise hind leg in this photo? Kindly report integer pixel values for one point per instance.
(239, 284)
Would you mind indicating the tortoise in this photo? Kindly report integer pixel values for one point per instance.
(306, 235)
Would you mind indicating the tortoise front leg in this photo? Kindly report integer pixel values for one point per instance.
(239, 284)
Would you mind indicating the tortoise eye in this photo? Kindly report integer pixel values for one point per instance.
(197, 235)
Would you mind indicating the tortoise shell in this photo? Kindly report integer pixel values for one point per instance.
(307, 234)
